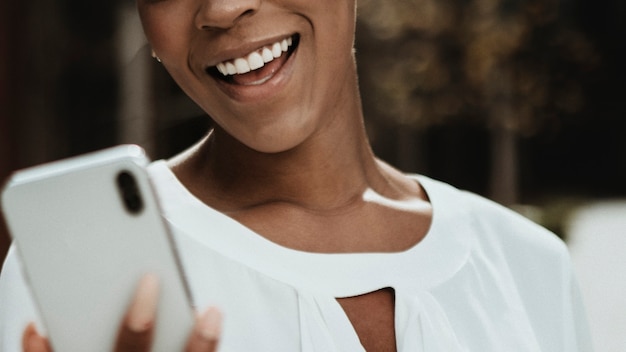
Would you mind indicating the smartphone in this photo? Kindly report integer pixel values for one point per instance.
(87, 229)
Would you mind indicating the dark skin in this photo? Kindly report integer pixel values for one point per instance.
(289, 157)
(326, 220)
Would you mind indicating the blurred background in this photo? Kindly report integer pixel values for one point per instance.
(520, 101)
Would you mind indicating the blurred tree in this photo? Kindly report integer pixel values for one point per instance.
(511, 65)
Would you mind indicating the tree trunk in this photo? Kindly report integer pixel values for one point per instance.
(136, 111)
(504, 166)
(504, 159)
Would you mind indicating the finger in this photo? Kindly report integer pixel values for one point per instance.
(137, 328)
(33, 342)
(207, 331)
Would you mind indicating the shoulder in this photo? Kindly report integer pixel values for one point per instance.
(529, 265)
(535, 259)
(493, 225)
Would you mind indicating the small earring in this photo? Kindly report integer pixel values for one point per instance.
(154, 55)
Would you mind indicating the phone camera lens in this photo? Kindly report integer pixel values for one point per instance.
(129, 191)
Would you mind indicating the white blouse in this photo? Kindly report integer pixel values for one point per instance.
(483, 279)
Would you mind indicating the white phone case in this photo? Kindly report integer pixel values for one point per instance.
(87, 229)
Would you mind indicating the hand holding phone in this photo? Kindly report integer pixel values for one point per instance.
(87, 230)
(204, 338)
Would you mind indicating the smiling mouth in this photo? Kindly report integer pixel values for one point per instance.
(256, 67)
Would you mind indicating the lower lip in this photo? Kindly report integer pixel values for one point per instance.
(269, 88)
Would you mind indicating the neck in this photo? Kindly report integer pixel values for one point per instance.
(327, 171)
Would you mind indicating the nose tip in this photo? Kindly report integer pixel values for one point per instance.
(224, 14)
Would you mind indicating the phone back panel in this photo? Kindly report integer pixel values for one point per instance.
(83, 251)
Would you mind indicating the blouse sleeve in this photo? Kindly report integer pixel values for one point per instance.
(17, 307)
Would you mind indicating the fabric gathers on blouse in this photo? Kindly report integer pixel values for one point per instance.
(483, 279)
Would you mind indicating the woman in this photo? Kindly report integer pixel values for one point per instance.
(332, 249)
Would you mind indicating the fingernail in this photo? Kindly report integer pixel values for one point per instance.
(210, 326)
(143, 309)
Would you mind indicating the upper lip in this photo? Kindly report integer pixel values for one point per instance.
(244, 49)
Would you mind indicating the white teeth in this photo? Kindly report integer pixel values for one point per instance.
(276, 50)
(230, 68)
(222, 68)
(242, 66)
(267, 55)
(255, 60)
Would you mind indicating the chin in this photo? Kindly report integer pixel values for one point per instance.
(275, 146)
(273, 143)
